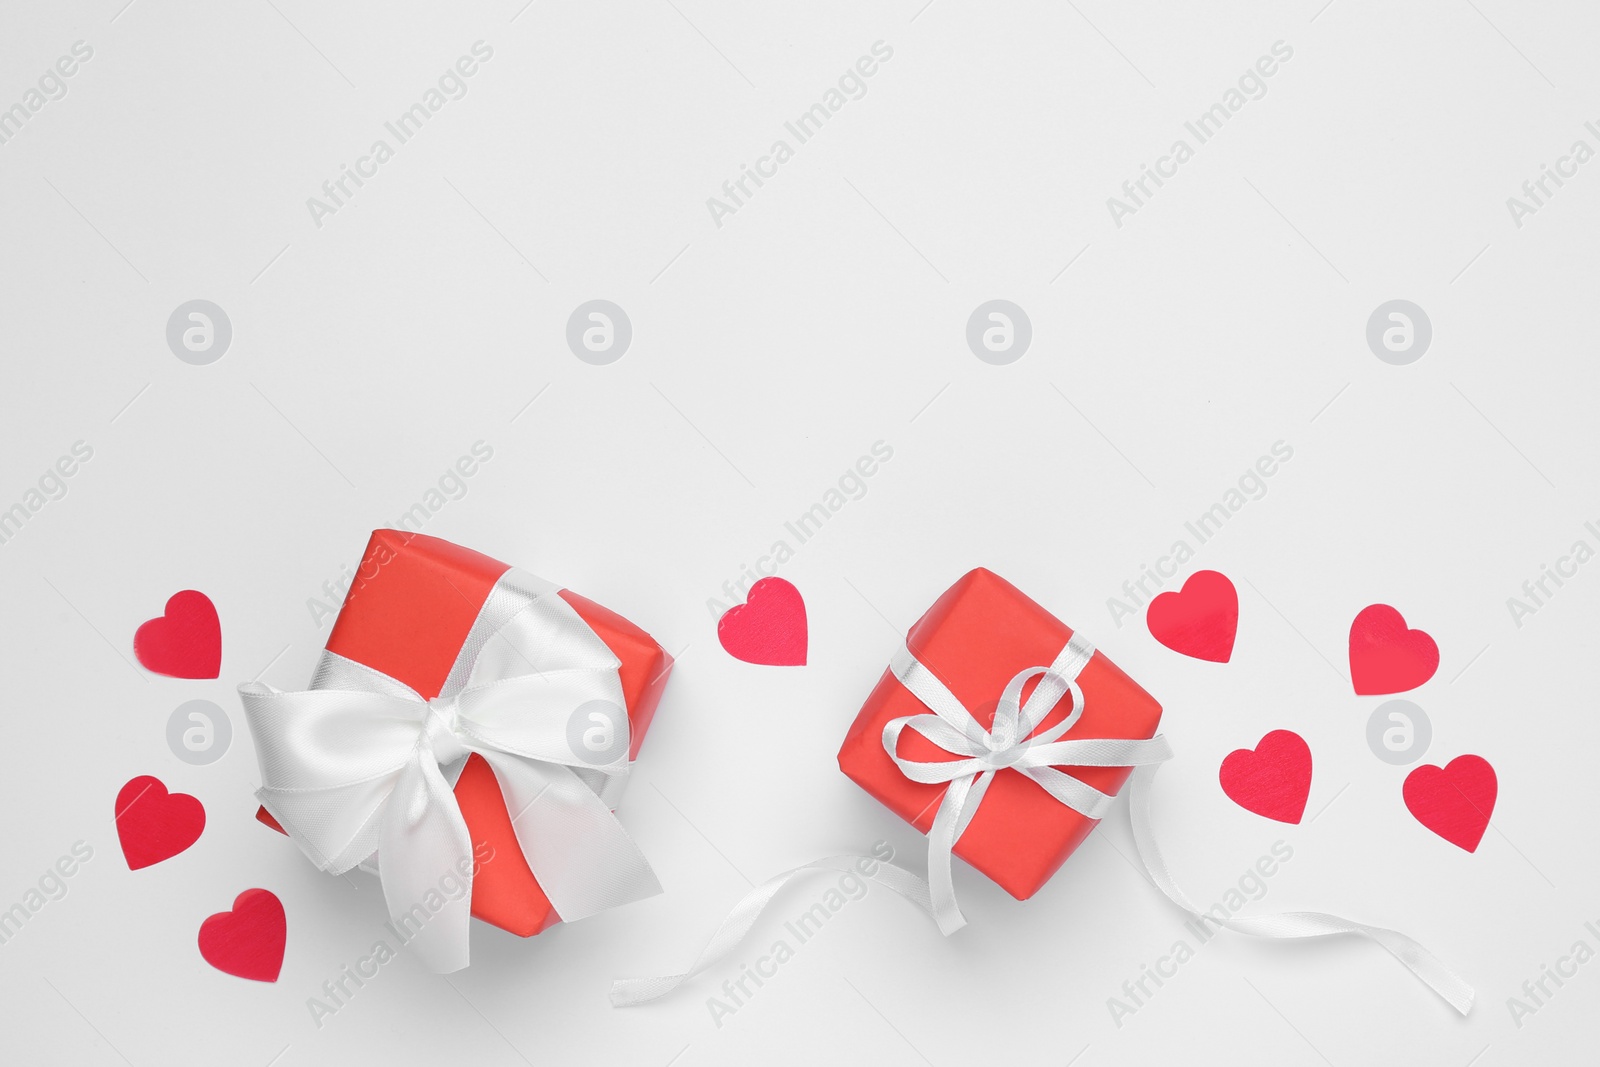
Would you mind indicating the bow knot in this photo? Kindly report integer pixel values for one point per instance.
(439, 732)
(1003, 752)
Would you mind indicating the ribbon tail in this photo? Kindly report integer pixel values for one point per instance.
(584, 860)
(1428, 968)
(626, 992)
(298, 808)
(960, 803)
(424, 850)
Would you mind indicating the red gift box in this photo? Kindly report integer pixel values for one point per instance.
(407, 614)
(975, 638)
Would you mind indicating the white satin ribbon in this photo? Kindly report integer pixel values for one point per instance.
(362, 764)
(626, 992)
(1289, 924)
(1007, 744)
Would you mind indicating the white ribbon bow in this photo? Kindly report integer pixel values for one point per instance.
(1007, 744)
(362, 764)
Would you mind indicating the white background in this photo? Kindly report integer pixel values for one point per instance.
(769, 354)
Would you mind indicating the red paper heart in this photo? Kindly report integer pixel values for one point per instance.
(1385, 657)
(185, 642)
(1454, 801)
(248, 941)
(1272, 779)
(769, 627)
(154, 825)
(1199, 620)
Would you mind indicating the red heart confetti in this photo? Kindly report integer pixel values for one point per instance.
(769, 627)
(248, 941)
(154, 825)
(1272, 779)
(1454, 801)
(1386, 657)
(1200, 620)
(185, 641)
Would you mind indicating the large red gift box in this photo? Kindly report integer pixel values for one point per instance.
(407, 614)
(975, 638)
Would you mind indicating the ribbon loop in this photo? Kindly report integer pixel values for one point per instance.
(362, 767)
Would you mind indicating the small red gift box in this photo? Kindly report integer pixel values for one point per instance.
(407, 614)
(975, 638)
